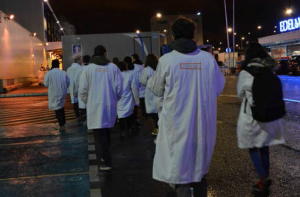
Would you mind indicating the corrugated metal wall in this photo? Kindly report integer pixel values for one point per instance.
(21, 55)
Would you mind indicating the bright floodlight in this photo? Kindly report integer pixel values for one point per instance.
(198, 13)
(137, 31)
(259, 27)
(229, 29)
(289, 11)
(158, 15)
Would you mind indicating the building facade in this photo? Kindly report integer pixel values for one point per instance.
(21, 55)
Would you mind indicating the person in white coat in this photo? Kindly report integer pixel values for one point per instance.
(254, 135)
(57, 83)
(81, 104)
(190, 81)
(129, 97)
(71, 71)
(138, 68)
(100, 88)
(150, 67)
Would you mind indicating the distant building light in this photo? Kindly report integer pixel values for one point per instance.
(289, 11)
(220, 42)
(275, 27)
(249, 33)
(235, 34)
(259, 27)
(229, 29)
(158, 15)
(207, 40)
(47, 44)
(61, 29)
(57, 22)
(274, 31)
(237, 45)
(165, 30)
(10, 17)
(137, 31)
(198, 13)
(219, 49)
(243, 38)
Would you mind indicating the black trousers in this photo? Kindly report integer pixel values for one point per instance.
(83, 114)
(155, 118)
(102, 144)
(125, 123)
(60, 116)
(143, 107)
(200, 189)
(76, 109)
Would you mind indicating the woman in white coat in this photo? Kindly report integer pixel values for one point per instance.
(57, 83)
(254, 135)
(81, 104)
(71, 71)
(129, 97)
(148, 71)
(190, 81)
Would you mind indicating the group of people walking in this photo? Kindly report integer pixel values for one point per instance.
(179, 91)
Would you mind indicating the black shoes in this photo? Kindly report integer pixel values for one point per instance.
(262, 188)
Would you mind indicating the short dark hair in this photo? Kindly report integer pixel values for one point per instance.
(184, 28)
(128, 61)
(116, 60)
(152, 61)
(254, 50)
(86, 59)
(136, 56)
(55, 63)
(99, 51)
(122, 66)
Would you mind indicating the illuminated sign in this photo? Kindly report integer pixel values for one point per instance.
(289, 25)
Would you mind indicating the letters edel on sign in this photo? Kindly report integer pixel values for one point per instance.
(289, 25)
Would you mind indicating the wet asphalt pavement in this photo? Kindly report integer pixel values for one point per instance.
(43, 152)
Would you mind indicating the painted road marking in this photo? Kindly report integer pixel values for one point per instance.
(93, 172)
(235, 96)
(95, 193)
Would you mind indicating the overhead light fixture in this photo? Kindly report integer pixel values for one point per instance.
(137, 31)
(229, 29)
(33, 34)
(259, 27)
(198, 13)
(274, 31)
(45, 0)
(158, 15)
(219, 49)
(10, 17)
(57, 22)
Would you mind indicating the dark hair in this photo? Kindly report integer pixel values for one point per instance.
(184, 28)
(55, 64)
(116, 61)
(254, 50)
(122, 66)
(99, 51)
(152, 61)
(137, 59)
(128, 61)
(86, 59)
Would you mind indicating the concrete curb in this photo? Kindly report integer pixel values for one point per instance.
(23, 95)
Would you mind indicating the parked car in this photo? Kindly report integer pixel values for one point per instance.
(283, 66)
(294, 64)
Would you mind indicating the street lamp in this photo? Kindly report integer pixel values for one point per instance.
(198, 13)
(137, 31)
(207, 40)
(243, 38)
(220, 42)
(229, 29)
(259, 27)
(165, 30)
(289, 11)
(274, 31)
(158, 15)
(235, 34)
(249, 33)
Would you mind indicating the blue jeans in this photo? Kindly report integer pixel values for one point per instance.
(261, 160)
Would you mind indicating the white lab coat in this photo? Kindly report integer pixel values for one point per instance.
(57, 83)
(81, 104)
(250, 132)
(129, 97)
(100, 87)
(71, 74)
(190, 85)
(149, 96)
(138, 68)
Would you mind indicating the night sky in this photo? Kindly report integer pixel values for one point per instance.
(115, 16)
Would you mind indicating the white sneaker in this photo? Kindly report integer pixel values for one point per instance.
(105, 168)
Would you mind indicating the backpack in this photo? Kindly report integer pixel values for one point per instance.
(268, 103)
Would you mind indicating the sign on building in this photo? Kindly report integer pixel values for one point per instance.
(290, 24)
(77, 49)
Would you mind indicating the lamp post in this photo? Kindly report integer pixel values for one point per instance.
(233, 36)
(228, 46)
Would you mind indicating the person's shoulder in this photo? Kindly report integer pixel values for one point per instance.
(166, 57)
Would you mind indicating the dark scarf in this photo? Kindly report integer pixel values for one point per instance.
(184, 45)
(100, 60)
